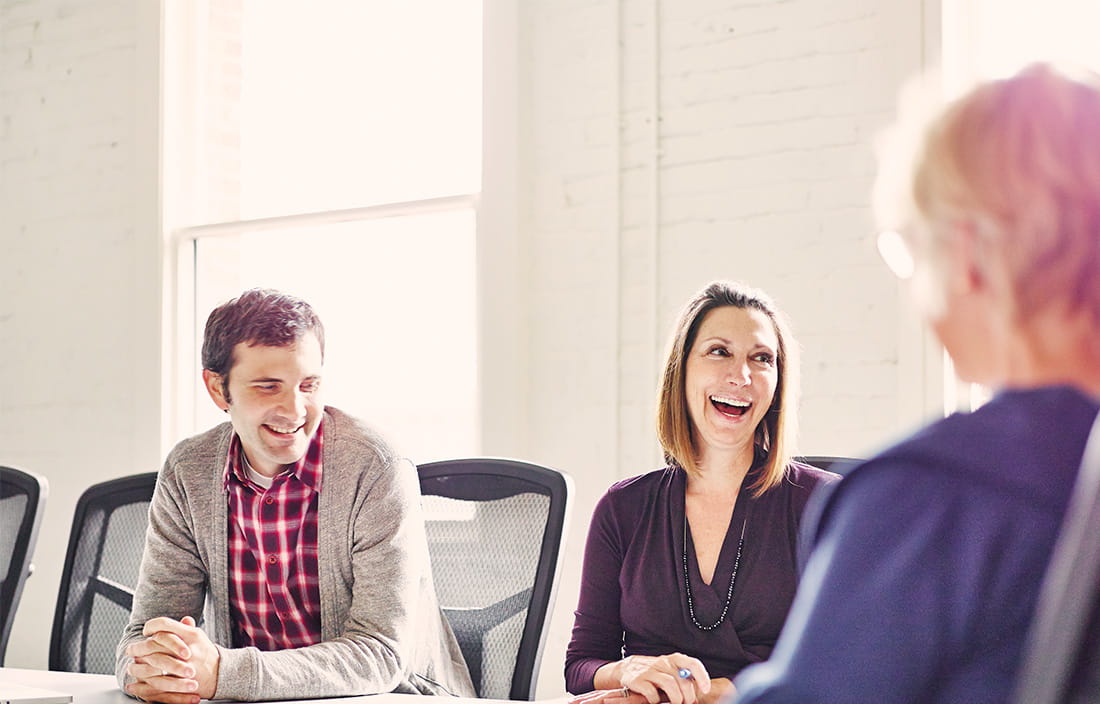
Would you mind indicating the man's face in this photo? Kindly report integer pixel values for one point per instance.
(274, 400)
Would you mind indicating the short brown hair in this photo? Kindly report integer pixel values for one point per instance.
(775, 435)
(259, 316)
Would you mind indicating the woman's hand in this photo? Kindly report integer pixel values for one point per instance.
(622, 695)
(721, 689)
(673, 678)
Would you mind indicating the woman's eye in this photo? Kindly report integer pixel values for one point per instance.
(718, 351)
(765, 358)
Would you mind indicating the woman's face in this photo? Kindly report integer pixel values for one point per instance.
(730, 378)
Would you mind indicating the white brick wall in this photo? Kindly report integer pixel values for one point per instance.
(635, 149)
(663, 144)
(80, 270)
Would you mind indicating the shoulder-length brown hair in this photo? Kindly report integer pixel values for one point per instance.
(775, 435)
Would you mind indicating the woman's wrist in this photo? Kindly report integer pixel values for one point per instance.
(719, 688)
(608, 675)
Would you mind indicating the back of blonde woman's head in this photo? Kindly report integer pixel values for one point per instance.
(1017, 160)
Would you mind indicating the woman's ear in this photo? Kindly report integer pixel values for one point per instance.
(968, 265)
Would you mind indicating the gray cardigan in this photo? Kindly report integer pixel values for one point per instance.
(381, 626)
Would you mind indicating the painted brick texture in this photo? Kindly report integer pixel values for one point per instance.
(741, 148)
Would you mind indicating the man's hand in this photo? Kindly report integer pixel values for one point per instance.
(176, 663)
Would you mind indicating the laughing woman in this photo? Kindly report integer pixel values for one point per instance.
(689, 570)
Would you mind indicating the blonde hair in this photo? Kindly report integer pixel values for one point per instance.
(1019, 160)
(776, 433)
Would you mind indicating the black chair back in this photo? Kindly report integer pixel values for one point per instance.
(837, 465)
(1062, 656)
(22, 499)
(100, 574)
(494, 531)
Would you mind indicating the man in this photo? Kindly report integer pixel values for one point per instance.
(298, 528)
(928, 558)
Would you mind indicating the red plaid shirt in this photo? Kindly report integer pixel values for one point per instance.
(274, 598)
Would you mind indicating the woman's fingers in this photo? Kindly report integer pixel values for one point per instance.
(647, 690)
(592, 697)
(675, 678)
(621, 695)
(691, 670)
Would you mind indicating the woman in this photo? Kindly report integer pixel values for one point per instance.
(929, 557)
(689, 570)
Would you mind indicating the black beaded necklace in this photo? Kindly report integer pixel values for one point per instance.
(733, 578)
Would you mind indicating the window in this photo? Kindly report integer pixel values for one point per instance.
(332, 150)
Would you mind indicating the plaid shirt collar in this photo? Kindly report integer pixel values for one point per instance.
(306, 470)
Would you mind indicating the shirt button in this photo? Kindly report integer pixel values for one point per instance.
(272, 559)
(269, 500)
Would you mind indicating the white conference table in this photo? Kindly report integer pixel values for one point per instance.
(85, 689)
(102, 689)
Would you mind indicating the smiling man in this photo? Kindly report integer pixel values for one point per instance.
(294, 528)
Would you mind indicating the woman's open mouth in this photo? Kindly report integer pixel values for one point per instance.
(730, 407)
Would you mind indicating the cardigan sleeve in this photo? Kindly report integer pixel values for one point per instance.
(597, 630)
(172, 580)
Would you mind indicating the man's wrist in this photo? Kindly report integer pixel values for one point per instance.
(214, 668)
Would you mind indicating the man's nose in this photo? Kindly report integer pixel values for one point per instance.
(293, 403)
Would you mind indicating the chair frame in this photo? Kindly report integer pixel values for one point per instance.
(827, 461)
(518, 477)
(1070, 592)
(108, 495)
(36, 488)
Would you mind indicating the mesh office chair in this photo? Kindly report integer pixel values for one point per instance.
(100, 573)
(1062, 657)
(22, 498)
(494, 531)
(838, 465)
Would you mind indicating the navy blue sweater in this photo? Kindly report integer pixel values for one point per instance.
(927, 561)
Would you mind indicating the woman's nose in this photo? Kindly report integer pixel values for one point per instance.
(739, 373)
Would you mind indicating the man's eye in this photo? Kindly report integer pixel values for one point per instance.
(310, 386)
(265, 387)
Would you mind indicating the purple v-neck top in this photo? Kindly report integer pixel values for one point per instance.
(632, 596)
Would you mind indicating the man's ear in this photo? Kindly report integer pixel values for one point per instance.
(215, 388)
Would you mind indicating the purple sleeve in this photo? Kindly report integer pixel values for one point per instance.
(868, 579)
(597, 631)
(901, 575)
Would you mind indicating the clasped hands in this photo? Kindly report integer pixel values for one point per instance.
(648, 679)
(176, 663)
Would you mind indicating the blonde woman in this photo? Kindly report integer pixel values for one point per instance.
(689, 570)
(929, 557)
